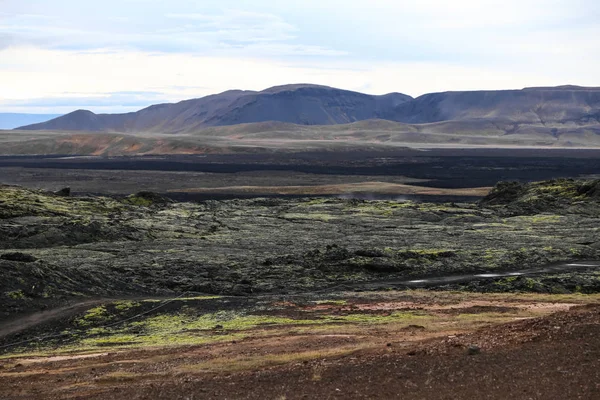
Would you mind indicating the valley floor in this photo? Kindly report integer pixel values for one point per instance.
(142, 297)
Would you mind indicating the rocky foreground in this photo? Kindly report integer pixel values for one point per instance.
(55, 248)
(377, 345)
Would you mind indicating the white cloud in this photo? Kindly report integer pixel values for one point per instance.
(229, 31)
(94, 76)
(186, 48)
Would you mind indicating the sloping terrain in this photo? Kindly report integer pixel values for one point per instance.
(296, 104)
(269, 137)
(549, 111)
(545, 106)
(103, 144)
(307, 117)
(425, 345)
(548, 358)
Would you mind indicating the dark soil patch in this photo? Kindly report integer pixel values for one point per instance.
(479, 310)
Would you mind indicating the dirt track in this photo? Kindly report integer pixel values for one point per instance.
(551, 357)
(26, 322)
(23, 323)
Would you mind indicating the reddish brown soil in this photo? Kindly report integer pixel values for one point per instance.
(554, 357)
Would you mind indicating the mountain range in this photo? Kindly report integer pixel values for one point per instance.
(305, 104)
(306, 117)
(296, 104)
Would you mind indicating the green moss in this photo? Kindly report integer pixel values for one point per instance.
(431, 254)
(535, 219)
(310, 216)
(545, 219)
(575, 252)
(530, 283)
(566, 188)
(506, 284)
(94, 316)
(16, 295)
(492, 254)
(115, 340)
(332, 302)
(138, 201)
(379, 207)
(17, 202)
(443, 207)
(317, 201)
(168, 324)
(184, 299)
(187, 328)
(125, 305)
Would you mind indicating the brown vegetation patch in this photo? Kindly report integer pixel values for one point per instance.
(315, 360)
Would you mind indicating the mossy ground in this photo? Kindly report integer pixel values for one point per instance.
(76, 247)
(127, 324)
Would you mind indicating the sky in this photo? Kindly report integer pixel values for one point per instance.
(122, 55)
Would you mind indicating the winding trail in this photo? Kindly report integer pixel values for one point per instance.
(549, 269)
(29, 321)
(465, 278)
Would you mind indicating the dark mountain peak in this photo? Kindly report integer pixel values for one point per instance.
(307, 104)
(395, 94)
(78, 116)
(564, 87)
(76, 120)
(80, 112)
(394, 99)
(295, 87)
(235, 92)
(561, 104)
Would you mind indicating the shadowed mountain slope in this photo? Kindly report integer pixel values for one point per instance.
(312, 105)
(546, 106)
(297, 104)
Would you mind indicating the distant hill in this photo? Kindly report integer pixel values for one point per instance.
(301, 104)
(267, 137)
(13, 120)
(301, 117)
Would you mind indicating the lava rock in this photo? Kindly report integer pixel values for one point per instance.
(370, 253)
(504, 193)
(590, 189)
(155, 198)
(19, 257)
(64, 192)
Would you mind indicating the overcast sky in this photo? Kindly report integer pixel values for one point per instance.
(122, 55)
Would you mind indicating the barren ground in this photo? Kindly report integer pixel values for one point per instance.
(291, 297)
(531, 346)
